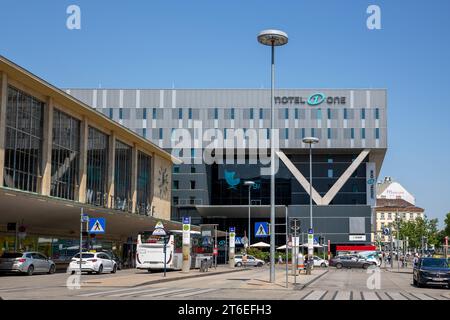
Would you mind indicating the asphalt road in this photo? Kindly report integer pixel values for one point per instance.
(345, 284)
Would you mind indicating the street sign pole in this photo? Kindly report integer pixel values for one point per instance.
(165, 255)
(81, 238)
(287, 240)
(186, 244)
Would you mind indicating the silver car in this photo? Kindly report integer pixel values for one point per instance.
(26, 262)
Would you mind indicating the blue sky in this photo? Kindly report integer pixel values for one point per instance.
(205, 43)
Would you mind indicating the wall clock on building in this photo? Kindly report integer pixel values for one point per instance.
(163, 183)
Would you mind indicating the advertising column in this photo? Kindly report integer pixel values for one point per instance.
(186, 244)
(232, 245)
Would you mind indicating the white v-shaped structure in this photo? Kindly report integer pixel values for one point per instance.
(328, 197)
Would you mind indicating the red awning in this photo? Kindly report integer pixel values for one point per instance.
(356, 248)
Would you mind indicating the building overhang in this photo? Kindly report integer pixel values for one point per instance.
(239, 211)
(43, 215)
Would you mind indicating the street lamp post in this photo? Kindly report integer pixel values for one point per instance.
(250, 184)
(272, 38)
(310, 141)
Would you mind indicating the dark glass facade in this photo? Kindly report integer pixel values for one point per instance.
(122, 177)
(143, 183)
(97, 168)
(228, 187)
(65, 156)
(23, 141)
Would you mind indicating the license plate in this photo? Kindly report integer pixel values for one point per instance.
(438, 279)
(82, 262)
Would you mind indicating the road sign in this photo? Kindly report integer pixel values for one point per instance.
(159, 229)
(186, 230)
(84, 218)
(310, 231)
(386, 231)
(215, 251)
(232, 237)
(261, 229)
(97, 225)
(295, 224)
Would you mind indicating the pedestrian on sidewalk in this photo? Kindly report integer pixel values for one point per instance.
(280, 259)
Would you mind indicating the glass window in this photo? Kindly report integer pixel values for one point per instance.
(329, 133)
(296, 113)
(97, 167)
(176, 169)
(193, 170)
(176, 200)
(345, 113)
(363, 113)
(363, 133)
(192, 200)
(180, 113)
(261, 113)
(192, 153)
(65, 156)
(377, 113)
(144, 132)
(313, 132)
(120, 113)
(122, 177)
(143, 183)
(160, 133)
(251, 113)
(377, 133)
(303, 133)
(111, 112)
(154, 114)
(23, 141)
(216, 113)
(286, 113)
(330, 173)
(190, 113)
(192, 184)
(352, 133)
(232, 114)
(144, 113)
(330, 160)
(319, 114)
(286, 133)
(176, 184)
(329, 113)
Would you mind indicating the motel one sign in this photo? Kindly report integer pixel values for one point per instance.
(313, 100)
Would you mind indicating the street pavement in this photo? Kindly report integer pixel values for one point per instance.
(323, 284)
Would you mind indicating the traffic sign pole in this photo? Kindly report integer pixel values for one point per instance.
(81, 238)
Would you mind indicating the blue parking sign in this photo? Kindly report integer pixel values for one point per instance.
(97, 225)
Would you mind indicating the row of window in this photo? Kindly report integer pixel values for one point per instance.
(23, 157)
(402, 215)
(331, 133)
(248, 114)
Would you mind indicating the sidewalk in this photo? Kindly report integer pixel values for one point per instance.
(142, 277)
(395, 269)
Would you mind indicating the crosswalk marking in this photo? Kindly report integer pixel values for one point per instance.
(342, 295)
(421, 296)
(136, 292)
(369, 295)
(316, 295)
(396, 296)
(166, 292)
(189, 294)
(104, 292)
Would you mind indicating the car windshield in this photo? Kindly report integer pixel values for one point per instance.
(9, 255)
(435, 263)
(84, 255)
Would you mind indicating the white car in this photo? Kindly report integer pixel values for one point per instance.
(97, 262)
(239, 261)
(319, 262)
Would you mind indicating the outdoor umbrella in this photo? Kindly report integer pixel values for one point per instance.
(260, 245)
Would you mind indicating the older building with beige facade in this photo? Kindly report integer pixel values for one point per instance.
(58, 155)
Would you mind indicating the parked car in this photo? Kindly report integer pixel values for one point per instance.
(347, 261)
(97, 262)
(118, 261)
(26, 262)
(433, 271)
(239, 261)
(372, 259)
(319, 262)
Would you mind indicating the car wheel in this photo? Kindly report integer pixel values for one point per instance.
(114, 269)
(323, 265)
(100, 269)
(365, 266)
(415, 282)
(52, 269)
(30, 270)
(338, 265)
(259, 264)
(239, 264)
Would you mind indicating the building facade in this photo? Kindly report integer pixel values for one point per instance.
(351, 125)
(58, 155)
(390, 189)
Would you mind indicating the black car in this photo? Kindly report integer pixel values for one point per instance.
(431, 271)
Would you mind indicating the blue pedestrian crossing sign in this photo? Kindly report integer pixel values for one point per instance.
(261, 229)
(97, 225)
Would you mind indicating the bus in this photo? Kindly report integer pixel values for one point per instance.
(150, 251)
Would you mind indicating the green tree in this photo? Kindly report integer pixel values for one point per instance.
(447, 225)
(414, 230)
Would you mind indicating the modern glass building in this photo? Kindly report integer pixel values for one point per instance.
(58, 155)
(350, 123)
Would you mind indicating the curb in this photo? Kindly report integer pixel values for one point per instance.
(303, 286)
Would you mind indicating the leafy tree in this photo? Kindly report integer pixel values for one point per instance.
(447, 225)
(416, 229)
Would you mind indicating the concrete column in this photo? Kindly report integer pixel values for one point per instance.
(84, 133)
(3, 102)
(134, 172)
(111, 166)
(47, 140)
